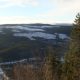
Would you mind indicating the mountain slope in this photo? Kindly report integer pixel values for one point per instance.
(19, 41)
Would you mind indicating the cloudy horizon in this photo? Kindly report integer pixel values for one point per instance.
(38, 11)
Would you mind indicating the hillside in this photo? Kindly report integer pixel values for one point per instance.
(20, 41)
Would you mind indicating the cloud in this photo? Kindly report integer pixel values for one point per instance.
(67, 6)
(20, 3)
(59, 11)
(24, 2)
(23, 19)
(62, 9)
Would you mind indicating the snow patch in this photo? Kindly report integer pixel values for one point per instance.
(15, 30)
(1, 31)
(24, 28)
(36, 34)
(63, 36)
(32, 35)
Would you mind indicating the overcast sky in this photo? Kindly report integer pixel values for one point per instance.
(38, 11)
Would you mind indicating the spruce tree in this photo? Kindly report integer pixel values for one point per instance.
(50, 67)
(72, 59)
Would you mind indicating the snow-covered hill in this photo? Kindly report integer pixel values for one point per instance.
(32, 32)
(22, 41)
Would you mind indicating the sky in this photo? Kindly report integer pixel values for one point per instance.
(38, 11)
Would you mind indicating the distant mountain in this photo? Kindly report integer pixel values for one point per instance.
(38, 24)
(19, 41)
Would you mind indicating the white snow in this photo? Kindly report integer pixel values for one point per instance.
(49, 26)
(32, 35)
(15, 30)
(24, 28)
(36, 34)
(1, 71)
(33, 32)
(63, 36)
(1, 31)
